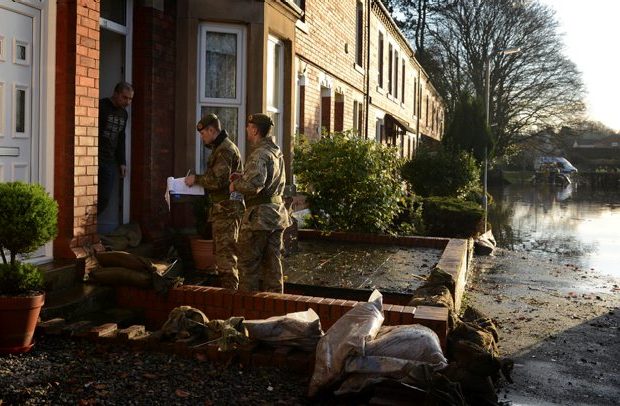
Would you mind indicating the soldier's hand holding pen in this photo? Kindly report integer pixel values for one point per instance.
(190, 178)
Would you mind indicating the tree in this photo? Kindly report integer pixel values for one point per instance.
(467, 130)
(529, 91)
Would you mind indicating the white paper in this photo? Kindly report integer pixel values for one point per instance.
(177, 186)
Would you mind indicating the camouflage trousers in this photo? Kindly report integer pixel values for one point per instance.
(225, 235)
(260, 263)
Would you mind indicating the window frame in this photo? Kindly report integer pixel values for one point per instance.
(280, 88)
(359, 33)
(239, 100)
(239, 31)
(380, 56)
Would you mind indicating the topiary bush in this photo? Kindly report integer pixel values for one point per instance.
(28, 219)
(451, 217)
(443, 173)
(351, 184)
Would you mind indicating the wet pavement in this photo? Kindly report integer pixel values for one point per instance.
(360, 266)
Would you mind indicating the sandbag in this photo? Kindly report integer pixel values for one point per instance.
(363, 371)
(408, 354)
(119, 276)
(124, 260)
(300, 330)
(184, 321)
(410, 342)
(346, 337)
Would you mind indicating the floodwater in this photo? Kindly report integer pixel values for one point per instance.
(360, 266)
(580, 225)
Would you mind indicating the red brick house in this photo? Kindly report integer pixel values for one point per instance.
(322, 64)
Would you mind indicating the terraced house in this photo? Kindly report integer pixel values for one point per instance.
(314, 66)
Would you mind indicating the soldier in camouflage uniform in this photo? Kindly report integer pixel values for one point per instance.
(262, 184)
(225, 214)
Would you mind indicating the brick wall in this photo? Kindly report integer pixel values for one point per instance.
(152, 145)
(218, 303)
(77, 94)
(329, 29)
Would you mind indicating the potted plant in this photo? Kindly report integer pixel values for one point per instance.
(202, 244)
(28, 219)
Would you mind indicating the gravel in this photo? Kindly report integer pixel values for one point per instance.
(64, 371)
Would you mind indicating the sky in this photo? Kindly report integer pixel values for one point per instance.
(591, 37)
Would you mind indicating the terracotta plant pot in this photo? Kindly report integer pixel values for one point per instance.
(202, 253)
(18, 318)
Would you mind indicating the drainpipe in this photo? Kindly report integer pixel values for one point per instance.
(367, 85)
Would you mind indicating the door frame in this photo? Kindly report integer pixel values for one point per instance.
(127, 31)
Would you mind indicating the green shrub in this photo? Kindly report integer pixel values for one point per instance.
(451, 217)
(409, 220)
(20, 278)
(28, 219)
(443, 173)
(351, 184)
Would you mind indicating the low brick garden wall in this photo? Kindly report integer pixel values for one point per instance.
(218, 303)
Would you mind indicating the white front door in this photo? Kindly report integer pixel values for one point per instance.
(20, 27)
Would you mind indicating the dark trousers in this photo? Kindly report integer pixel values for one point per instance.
(107, 174)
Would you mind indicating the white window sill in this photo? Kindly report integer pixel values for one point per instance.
(359, 68)
(302, 26)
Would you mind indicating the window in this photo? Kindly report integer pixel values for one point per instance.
(426, 115)
(21, 110)
(114, 10)
(415, 96)
(326, 113)
(301, 104)
(379, 128)
(339, 112)
(221, 87)
(380, 60)
(359, 38)
(390, 63)
(275, 86)
(402, 83)
(302, 5)
(395, 93)
(358, 114)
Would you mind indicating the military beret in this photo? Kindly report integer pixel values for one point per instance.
(206, 121)
(259, 118)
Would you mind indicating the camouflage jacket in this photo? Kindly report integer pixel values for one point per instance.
(262, 185)
(224, 160)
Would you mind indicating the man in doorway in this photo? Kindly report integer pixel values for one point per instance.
(112, 122)
(262, 184)
(226, 212)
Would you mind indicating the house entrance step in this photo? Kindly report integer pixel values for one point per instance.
(76, 301)
(62, 274)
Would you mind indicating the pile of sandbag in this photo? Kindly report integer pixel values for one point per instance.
(357, 352)
(122, 237)
(300, 330)
(119, 268)
(189, 324)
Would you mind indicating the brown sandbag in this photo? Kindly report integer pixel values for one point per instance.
(124, 259)
(119, 276)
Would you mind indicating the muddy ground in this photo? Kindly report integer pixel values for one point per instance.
(360, 266)
(558, 322)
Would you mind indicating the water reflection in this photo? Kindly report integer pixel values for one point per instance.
(579, 224)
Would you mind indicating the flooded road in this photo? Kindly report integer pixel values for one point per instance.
(575, 224)
(553, 290)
